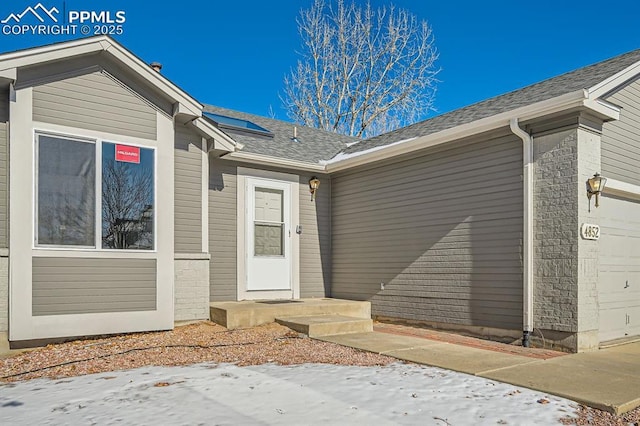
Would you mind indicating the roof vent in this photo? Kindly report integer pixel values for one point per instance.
(157, 66)
(295, 134)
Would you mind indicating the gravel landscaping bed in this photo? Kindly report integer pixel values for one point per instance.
(209, 342)
(189, 344)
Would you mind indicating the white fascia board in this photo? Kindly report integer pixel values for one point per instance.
(265, 160)
(53, 52)
(9, 74)
(622, 189)
(97, 44)
(153, 77)
(550, 106)
(220, 139)
(605, 110)
(614, 81)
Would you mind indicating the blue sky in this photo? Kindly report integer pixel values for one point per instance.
(235, 53)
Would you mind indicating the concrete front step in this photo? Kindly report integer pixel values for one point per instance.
(326, 325)
(249, 313)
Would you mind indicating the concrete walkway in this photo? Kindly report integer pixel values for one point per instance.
(608, 379)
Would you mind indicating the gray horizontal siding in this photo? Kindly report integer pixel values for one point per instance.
(442, 231)
(222, 230)
(4, 193)
(188, 192)
(620, 146)
(95, 102)
(315, 240)
(63, 286)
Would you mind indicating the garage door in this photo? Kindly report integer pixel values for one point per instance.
(619, 283)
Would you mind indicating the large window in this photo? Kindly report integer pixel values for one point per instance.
(127, 197)
(69, 189)
(66, 192)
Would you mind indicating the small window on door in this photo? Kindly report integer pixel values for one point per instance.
(269, 222)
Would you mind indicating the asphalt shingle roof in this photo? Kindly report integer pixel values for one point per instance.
(312, 146)
(582, 78)
(316, 145)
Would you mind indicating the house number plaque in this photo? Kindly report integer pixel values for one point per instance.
(589, 231)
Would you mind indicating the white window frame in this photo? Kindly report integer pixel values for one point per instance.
(36, 162)
(284, 214)
(98, 143)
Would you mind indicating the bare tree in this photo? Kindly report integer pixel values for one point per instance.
(363, 71)
(127, 206)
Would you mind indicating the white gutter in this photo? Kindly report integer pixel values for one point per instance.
(527, 234)
(577, 99)
(265, 160)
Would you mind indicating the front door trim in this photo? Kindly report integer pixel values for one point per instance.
(243, 293)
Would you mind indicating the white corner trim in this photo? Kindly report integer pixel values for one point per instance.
(265, 160)
(574, 99)
(527, 220)
(241, 239)
(21, 232)
(205, 198)
(622, 189)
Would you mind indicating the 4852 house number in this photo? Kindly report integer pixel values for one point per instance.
(589, 231)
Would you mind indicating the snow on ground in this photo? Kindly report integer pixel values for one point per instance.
(306, 394)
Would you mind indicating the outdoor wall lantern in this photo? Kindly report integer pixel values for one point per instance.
(595, 185)
(314, 184)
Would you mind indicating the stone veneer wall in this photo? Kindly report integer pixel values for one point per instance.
(191, 288)
(565, 266)
(555, 233)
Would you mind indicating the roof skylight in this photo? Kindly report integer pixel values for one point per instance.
(236, 123)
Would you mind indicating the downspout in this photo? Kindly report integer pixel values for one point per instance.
(527, 234)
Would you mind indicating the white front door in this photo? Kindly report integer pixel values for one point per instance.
(268, 244)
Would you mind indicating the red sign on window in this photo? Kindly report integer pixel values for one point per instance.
(128, 154)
